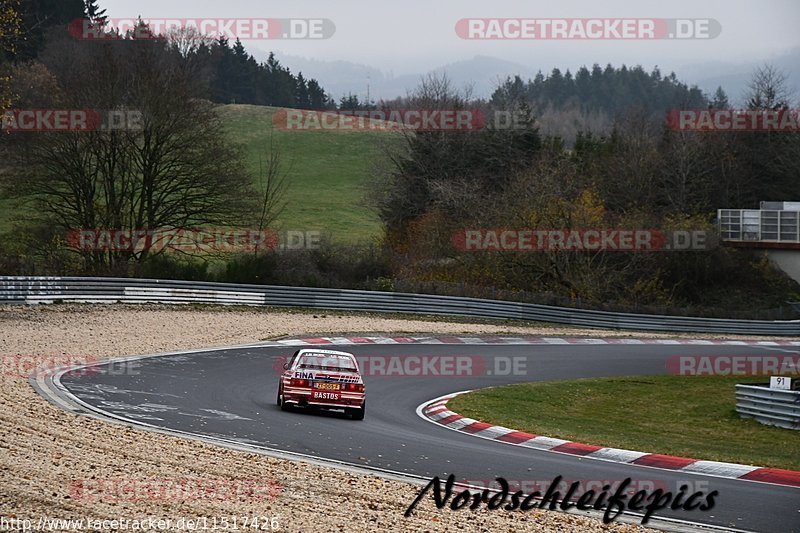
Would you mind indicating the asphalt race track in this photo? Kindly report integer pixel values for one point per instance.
(231, 393)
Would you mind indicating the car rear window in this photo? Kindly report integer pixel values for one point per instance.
(319, 361)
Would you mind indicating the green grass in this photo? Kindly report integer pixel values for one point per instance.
(684, 416)
(326, 171)
(7, 210)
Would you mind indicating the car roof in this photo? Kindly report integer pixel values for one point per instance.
(324, 352)
(305, 351)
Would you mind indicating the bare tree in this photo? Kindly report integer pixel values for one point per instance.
(686, 175)
(768, 89)
(772, 156)
(272, 185)
(187, 40)
(171, 169)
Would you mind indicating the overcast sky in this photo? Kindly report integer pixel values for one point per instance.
(411, 36)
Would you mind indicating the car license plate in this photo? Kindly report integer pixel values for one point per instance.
(327, 386)
(322, 395)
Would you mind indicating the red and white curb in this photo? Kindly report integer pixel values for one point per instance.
(436, 411)
(499, 340)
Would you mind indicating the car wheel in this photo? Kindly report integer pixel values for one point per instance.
(285, 406)
(358, 414)
(282, 402)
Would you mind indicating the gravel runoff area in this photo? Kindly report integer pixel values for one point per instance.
(52, 462)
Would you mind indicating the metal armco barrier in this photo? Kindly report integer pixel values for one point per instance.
(36, 290)
(772, 407)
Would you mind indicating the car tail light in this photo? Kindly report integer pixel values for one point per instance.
(355, 387)
(296, 382)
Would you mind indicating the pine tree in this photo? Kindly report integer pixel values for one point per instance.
(349, 102)
(94, 12)
(280, 83)
(316, 94)
(720, 100)
(301, 96)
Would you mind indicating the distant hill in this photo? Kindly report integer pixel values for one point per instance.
(482, 72)
(342, 77)
(734, 77)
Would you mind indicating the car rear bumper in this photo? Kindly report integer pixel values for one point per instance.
(303, 397)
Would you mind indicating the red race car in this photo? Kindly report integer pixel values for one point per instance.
(323, 378)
